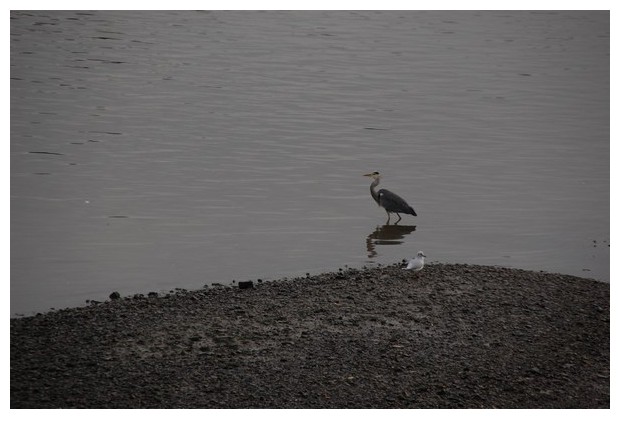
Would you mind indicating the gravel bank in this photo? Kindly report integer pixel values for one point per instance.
(451, 336)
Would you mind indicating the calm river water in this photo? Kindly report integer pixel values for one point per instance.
(156, 150)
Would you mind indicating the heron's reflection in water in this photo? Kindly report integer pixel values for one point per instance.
(387, 235)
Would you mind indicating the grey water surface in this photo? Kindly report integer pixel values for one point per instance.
(156, 150)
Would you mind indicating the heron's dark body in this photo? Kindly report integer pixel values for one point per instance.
(393, 203)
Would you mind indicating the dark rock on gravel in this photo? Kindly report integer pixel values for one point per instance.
(451, 336)
(246, 285)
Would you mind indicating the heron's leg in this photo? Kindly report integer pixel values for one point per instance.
(399, 218)
(388, 220)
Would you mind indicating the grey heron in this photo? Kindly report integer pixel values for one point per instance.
(417, 263)
(391, 202)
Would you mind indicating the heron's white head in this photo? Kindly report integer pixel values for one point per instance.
(374, 175)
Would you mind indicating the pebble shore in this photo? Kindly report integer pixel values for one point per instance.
(450, 336)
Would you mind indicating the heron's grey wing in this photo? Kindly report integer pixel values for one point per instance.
(393, 203)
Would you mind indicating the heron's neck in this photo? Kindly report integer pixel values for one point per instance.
(373, 191)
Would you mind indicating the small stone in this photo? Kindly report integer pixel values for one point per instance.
(246, 285)
(115, 295)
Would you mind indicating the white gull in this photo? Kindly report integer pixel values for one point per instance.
(417, 263)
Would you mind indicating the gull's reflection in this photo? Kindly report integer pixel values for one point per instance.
(387, 235)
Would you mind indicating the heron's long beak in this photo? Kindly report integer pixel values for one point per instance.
(368, 175)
